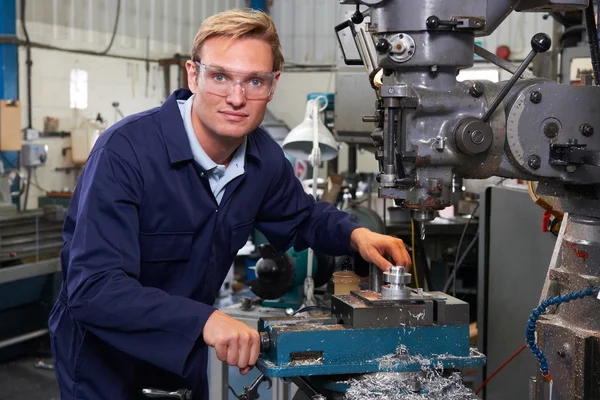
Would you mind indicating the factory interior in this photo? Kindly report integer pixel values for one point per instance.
(465, 128)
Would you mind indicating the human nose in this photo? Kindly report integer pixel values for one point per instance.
(236, 97)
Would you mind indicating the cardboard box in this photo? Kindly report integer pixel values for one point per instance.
(10, 125)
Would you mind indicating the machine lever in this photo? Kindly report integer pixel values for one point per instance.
(540, 43)
(251, 392)
(181, 394)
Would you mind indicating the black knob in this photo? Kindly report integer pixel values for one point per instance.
(541, 42)
(383, 46)
(432, 22)
(477, 89)
(357, 17)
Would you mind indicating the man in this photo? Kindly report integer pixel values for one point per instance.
(166, 199)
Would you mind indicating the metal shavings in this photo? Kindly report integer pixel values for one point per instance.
(430, 385)
(419, 316)
(307, 361)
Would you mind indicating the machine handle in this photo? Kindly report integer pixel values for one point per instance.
(338, 29)
(181, 394)
(251, 392)
(540, 43)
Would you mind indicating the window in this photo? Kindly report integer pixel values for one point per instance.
(79, 89)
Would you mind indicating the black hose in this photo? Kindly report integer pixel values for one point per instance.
(592, 32)
(29, 63)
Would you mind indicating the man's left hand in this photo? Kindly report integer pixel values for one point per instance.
(373, 247)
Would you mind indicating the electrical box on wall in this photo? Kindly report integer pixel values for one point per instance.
(33, 155)
(10, 125)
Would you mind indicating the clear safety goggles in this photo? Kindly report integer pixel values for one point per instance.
(255, 85)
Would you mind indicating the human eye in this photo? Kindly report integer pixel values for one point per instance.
(218, 77)
(256, 82)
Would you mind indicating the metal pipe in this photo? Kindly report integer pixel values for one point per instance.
(22, 338)
(389, 148)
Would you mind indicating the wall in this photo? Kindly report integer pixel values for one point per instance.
(147, 29)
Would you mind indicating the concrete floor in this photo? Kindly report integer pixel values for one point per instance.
(21, 379)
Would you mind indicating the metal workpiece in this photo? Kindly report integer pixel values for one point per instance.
(367, 309)
(397, 279)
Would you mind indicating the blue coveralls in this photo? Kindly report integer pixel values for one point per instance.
(147, 247)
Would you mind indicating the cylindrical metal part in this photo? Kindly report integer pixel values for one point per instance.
(422, 215)
(393, 292)
(352, 162)
(580, 260)
(389, 145)
(396, 289)
(375, 278)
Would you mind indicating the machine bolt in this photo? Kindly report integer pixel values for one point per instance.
(370, 118)
(440, 143)
(477, 89)
(477, 137)
(391, 90)
(586, 130)
(551, 130)
(534, 161)
(571, 168)
(535, 97)
(434, 69)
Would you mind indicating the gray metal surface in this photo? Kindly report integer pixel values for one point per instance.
(348, 124)
(552, 5)
(569, 335)
(514, 255)
(436, 308)
(439, 126)
(18, 272)
(556, 109)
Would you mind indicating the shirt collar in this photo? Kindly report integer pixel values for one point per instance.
(175, 135)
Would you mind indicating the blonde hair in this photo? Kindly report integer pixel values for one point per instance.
(240, 23)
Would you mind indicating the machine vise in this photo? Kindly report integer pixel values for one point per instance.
(367, 332)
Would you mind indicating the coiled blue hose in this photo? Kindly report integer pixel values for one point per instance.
(531, 325)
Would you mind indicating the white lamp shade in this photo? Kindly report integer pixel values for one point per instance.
(299, 142)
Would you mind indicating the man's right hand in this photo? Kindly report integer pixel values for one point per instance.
(235, 342)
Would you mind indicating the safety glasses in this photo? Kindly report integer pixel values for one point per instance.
(255, 85)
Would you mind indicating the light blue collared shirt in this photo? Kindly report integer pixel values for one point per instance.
(218, 175)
